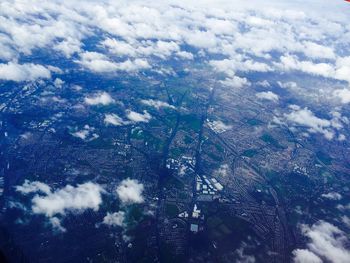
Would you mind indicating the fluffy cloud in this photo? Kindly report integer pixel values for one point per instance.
(235, 82)
(23, 72)
(102, 98)
(343, 95)
(245, 35)
(218, 126)
(130, 191)
(69, 199)
(326, 242)
(138, 117)
(332, 196)
(33, 187)
(57, 225)
(157, 104)
(114, 119)
(306, 118)
(317, 51)
(87, 133)
(97, 62)
(305, 256)
(114, 219)
(269, 95)
(319, 69)
(100, 63)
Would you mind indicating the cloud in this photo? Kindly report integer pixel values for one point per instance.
(306, 118)
(326, 242)
(23, 72)
(317, 51)
(332, 196)
(343, 95)
(114, 219)
(235, 82)
(239, 35)
(100, 63)
(157, 104)
(161, 49)
(343, 68)
(269, 95)
(289, 62)
(138, 117)
(114, 119)
(242, 257)
(87, 133)
(230, 66)
(33, 187)
(68, 199)
(97, 62)
(57, 225)
(346, 220)
(305, 256)
(218, 126)
(223, 170)
(57, 203)
(130, 191)
(101, 98)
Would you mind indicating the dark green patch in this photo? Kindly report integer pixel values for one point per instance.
(250, 153)
(270, 140)
(192, 121)
(254, 122)
(171, 210)
(324, 158)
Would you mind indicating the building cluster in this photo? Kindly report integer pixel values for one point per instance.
(207, 186)
(183, 165)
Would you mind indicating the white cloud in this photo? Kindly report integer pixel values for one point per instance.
(289, 62)
(288, 85)
(33, 187)
(306, 118)
(235, 82)
(218, 126)
(305, 256)
(239, 63)
(87, 133)
(343, 68)
(114, 119)
(157, 104)
(102, 98)
(343, 95)
(130, 191)
(314, 50)
(223, 170)
(114, 219)
(59, 202)
(23, 72)
(244, 34)
(97, 62)
(68, 199)
(346, 220)
(332, 196)
(57, 225)
(326, 242)
(138, 117)
(263, 83)
(100, 63)
(269, 95)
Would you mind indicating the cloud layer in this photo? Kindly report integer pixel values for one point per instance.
(250, 37)
(326, 242)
